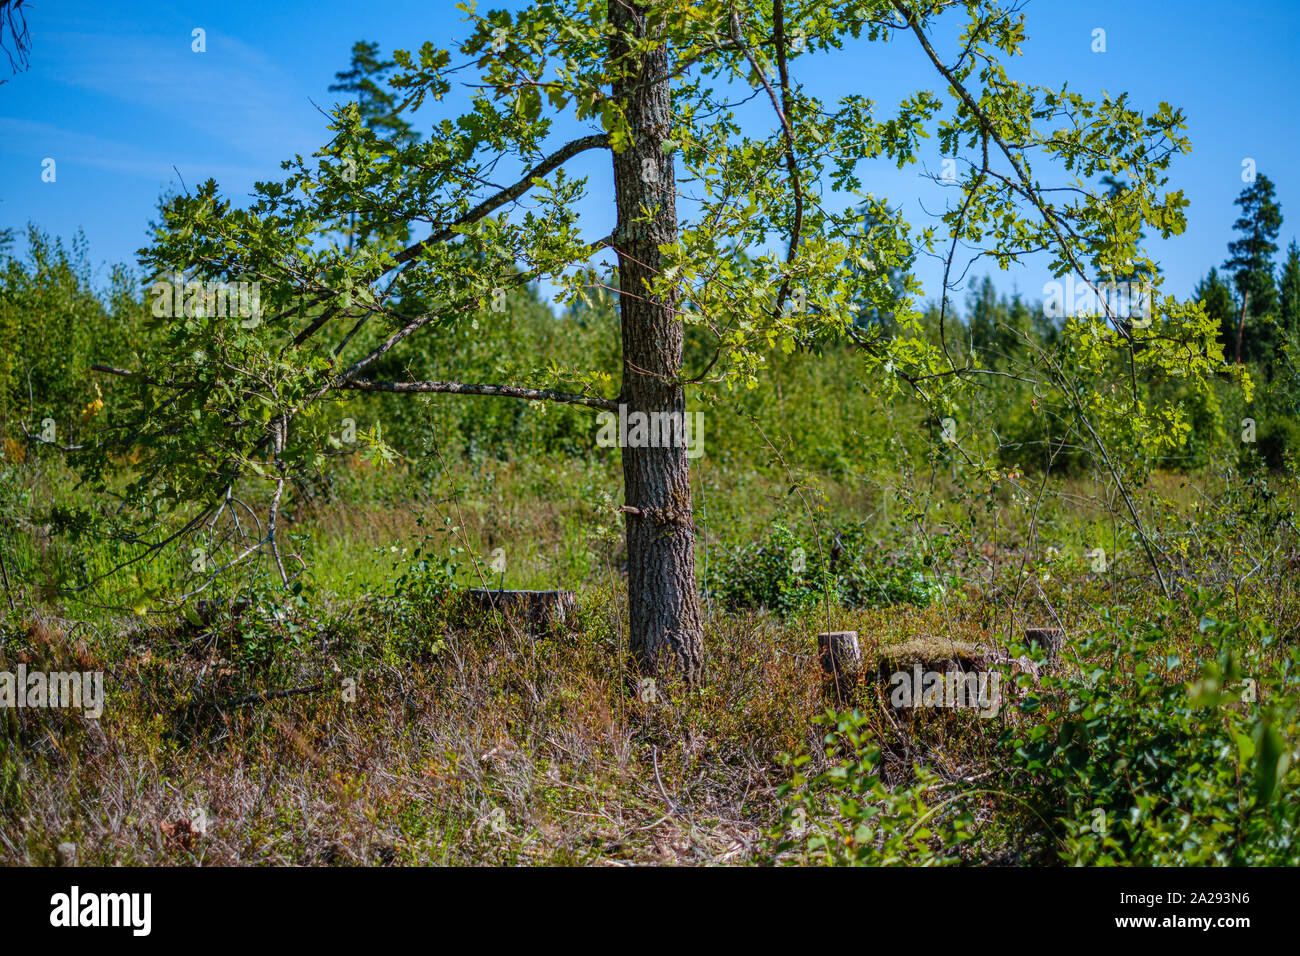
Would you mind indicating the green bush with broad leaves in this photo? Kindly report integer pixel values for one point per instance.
(1159, 750)
(1148, 758)
(789, 574)
(847, 815)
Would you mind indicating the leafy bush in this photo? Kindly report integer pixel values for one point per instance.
(54, 324)
(847, 815)
(789, 574)
(424, 581)
(1137, 767)
(1278, 438)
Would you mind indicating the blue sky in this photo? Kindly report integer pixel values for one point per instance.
(116, 96)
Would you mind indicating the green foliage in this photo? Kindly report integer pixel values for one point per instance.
(847, 815)
(428, 573)
(771, 575)
(1216, 298)
(377, 109)
(1279, 441)
(271, 628)
(789, 574)
(54, 324)
(1136, 765)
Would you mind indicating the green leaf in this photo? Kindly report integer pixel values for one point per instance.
(1268, 760)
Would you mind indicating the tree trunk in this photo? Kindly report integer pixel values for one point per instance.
(663, 606)
(1241, 323)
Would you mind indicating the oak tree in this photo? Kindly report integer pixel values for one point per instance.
(742, 214)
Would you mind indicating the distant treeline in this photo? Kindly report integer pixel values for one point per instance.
(55, 323)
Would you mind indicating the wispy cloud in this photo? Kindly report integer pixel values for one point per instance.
(69, 149)
(232, 93)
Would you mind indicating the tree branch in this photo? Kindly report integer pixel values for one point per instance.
(782, 109)
(509, 194)
(1028, 190)
(502, 391)
(486, 207)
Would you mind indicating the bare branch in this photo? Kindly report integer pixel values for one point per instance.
(14, 20)
(503, 391)
(782, 109)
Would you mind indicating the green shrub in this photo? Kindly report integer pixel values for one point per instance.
(1136, 766)
(847, 816)
(1278, 438)
(842, 567)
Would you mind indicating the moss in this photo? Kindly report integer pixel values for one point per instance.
(930, 652)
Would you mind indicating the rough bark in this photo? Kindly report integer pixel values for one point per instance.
(839, 652)
(841, 658)
(663, 605)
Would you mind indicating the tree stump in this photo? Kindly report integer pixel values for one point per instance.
(839, 652)
(915, 660)
(841, 657)
(933, 653)
(537, 612)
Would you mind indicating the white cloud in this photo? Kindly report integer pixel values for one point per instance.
(233, 93)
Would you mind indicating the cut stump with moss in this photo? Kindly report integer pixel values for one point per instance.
(934, 653)
(946, 654)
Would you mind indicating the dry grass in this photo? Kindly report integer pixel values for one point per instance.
(466, 742)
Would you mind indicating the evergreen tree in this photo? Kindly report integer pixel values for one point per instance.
(999, 328)
(379, 111)
(982, 307)
(378, 106)
(1250, 261)
(1213, 293)
(1289, 293)
(1019, 327)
